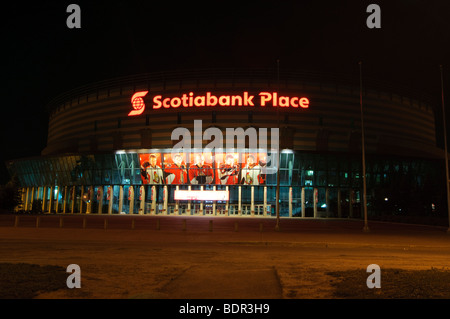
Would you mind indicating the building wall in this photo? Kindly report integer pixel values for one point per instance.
(95, 118)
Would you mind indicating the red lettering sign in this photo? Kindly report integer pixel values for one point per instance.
(187, 100)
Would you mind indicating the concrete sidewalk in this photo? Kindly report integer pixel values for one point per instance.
(199, 262)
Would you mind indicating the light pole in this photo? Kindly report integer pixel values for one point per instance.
(366, 226)
(277, 197)
(445, 149)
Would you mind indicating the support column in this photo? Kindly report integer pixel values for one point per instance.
(26, 199)
(120, 199)
(227, 207)
(65, 200)
(327, 201)
(339, 208)
(100, 199)
(303, 203)
(201, 203)
(57, 200)
(265, 201)
(214, 203)
(110, 198)
(290, 201)
(44, 198)
(350, 206)
(153, 198)
(316, 198)
(81, 199)
(131, 199)
(90, 197)
(188, 212)
(165, 200)
(32, 198)
(72, 208)
(252, 201)
(50, 200)
(239, 201)
(142, 200)
(177, 206)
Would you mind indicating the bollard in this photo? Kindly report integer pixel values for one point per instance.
(38, 220)
(16, 221)
(184, 224)
(132, 223)
(210, 225)
(84, 222)
(235, 226)
(105, 224)
(61, 222)
(157, 224)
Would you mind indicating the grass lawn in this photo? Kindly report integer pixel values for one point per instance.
(25, 281)
(395, 284)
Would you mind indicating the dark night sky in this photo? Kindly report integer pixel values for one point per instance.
(42, 57)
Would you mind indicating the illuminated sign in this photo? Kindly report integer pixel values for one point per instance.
(201, 195)
(137, 102)
(209, 99)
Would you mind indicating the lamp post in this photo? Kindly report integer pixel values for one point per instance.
(366, 226)
(445, 148)
(277, 197)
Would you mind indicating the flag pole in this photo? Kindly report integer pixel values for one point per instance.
(366, 226)
(445, 147)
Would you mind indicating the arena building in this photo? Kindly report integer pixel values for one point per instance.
(110, 147)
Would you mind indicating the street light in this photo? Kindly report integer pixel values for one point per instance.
(277, 197)
(366, 227)
(445, 149)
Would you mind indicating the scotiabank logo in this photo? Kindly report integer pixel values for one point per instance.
(137, 102)
(209, 99)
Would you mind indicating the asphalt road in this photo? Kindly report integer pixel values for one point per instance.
(214, 257)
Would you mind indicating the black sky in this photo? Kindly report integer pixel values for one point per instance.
(42, 57)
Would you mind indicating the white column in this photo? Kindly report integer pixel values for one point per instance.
(165, 200)
(120, 199)
(153, 198)
(227, 209)
(239, 201)
(303, 202)
(252, 201)
(177, 208)
(142, 200)
(131, 200)
(189, 204)
(290, 201)
(201, 203)
(265, 201)
(214, 203)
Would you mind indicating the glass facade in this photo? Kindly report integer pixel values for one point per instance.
(311, 184)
